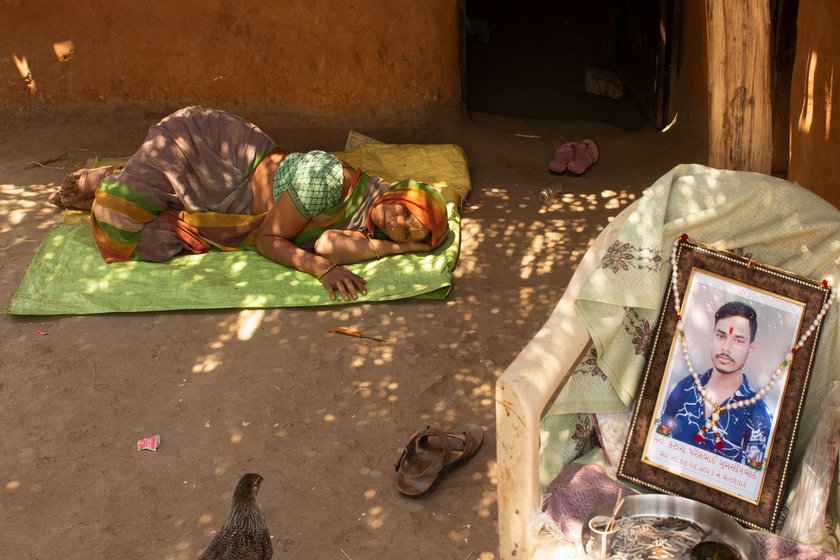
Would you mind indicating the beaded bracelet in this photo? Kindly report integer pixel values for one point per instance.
(326, 270)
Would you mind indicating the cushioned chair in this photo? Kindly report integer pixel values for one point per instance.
(779, 222)
(523, 392)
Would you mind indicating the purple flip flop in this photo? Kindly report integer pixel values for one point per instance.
(561, 157)
(585, 156)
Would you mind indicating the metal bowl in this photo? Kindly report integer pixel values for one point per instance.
(723, 528)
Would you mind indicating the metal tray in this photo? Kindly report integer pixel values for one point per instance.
(723, 528)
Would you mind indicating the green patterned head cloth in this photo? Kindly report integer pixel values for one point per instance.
(313, 181)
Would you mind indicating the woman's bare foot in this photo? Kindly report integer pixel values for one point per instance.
(68, 193)
(79, 188)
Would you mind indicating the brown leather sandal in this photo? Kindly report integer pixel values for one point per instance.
(431, 453)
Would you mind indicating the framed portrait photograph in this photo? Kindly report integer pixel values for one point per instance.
(725, 382)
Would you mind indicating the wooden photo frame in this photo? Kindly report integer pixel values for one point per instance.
(741, 463)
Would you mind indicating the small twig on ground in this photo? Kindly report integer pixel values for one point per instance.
(468, 555)
(31, 164)
(345, 554)
(44, 163)
(59, 157)
(357, 334)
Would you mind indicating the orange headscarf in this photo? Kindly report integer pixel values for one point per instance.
(425, 203)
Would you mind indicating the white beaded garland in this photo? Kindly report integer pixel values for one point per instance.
(788, 359)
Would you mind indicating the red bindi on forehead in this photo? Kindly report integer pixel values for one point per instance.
(730, 330)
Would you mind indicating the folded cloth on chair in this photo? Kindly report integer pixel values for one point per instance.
(572, 496)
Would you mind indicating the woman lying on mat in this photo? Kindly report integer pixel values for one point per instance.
(207, 178)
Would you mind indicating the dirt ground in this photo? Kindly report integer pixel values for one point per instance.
(322, 417)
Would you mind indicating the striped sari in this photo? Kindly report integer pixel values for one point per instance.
(187, 189)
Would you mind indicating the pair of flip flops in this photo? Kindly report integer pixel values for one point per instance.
(574, 157)
(431, 453)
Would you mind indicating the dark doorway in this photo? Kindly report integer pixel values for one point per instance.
(531, 59)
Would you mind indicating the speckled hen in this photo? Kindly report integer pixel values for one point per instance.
(244, 535)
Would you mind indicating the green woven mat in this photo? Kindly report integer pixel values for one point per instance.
(68, 277)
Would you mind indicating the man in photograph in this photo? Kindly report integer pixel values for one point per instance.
(742, 432)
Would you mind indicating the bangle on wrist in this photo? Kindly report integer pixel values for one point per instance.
(326, 270)
(372, 246)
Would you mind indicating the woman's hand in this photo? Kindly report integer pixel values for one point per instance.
(347, 283)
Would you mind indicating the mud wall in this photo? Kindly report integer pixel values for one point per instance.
(814, 127)
(329, 57)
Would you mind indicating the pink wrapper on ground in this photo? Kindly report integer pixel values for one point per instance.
(150, 443)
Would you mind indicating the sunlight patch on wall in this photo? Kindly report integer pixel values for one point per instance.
(25, 73)
(64, 50)
(829, 94)
(806, 116)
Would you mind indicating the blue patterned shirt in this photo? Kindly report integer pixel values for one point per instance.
(745, 431)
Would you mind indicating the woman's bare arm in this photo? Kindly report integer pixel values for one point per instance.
(350, 246)
(281, 224)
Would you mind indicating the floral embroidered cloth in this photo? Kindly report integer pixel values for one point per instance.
(762, 217)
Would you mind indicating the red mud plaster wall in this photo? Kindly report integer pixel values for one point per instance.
(354, 55)
(814, 125)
